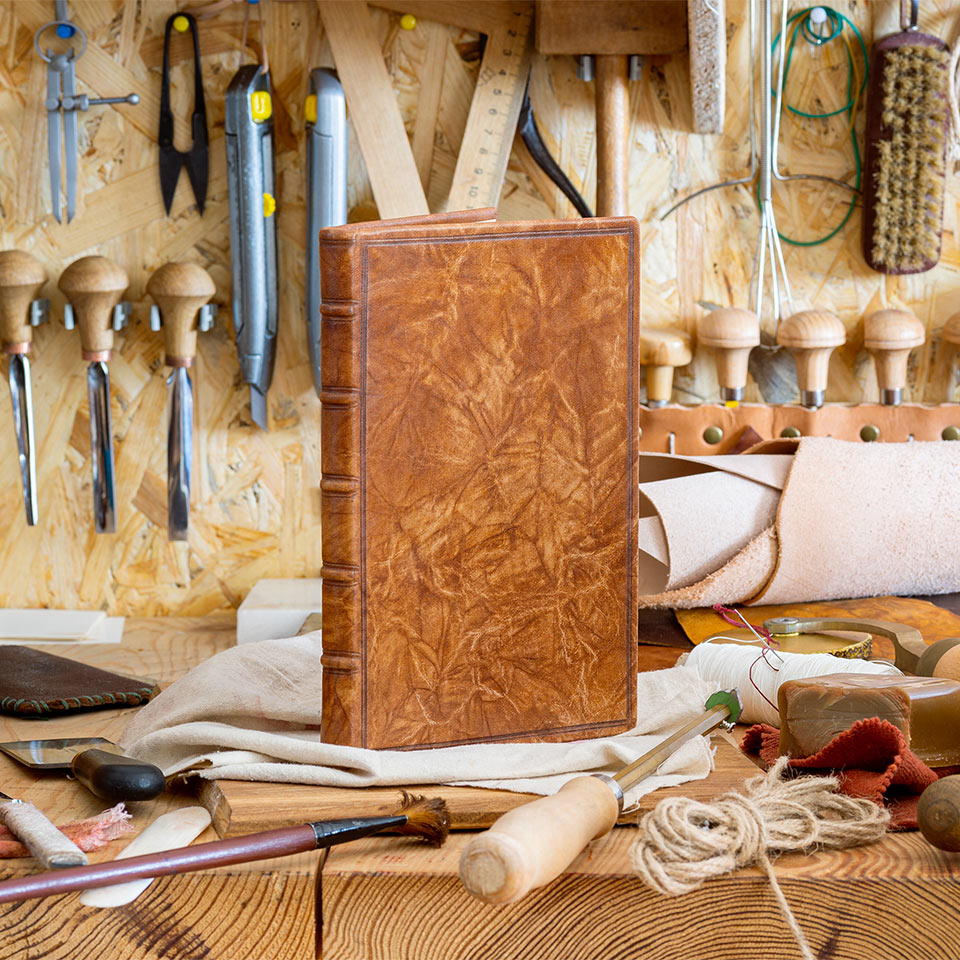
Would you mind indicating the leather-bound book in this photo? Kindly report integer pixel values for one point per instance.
(479, 492)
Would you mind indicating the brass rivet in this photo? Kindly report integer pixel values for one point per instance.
(789, 432)
(713, 435)
(869, 433)
(951, 433)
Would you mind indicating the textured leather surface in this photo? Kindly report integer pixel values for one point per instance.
(36, 682)
(479, 481)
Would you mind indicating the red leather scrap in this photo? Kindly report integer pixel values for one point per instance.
(871, 759)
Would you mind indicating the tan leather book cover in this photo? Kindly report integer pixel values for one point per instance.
(479, 491)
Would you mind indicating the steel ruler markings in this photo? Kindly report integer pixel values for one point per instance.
(492, 121)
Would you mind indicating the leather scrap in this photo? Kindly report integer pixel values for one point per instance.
(873, 760)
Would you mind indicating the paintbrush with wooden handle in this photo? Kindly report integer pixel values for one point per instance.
(533, 844)
(426, 819)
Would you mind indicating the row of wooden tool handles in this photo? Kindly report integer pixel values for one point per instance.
(811, 335)
(93, 286)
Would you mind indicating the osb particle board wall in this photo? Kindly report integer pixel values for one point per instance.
(256, 509)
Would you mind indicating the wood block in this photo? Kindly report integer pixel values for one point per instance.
(611, 26)
(239, 807)
(373, 110)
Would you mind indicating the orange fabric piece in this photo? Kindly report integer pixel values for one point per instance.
(872, 760)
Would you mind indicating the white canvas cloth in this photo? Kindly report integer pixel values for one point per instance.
(253, 713)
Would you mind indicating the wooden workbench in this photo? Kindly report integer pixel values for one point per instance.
(390, 899)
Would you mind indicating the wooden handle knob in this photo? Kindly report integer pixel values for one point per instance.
(21, 277)
(733, 333)
(890, 335)
(951, 332)
(533, 844)
(94, 286)
(613, 135)
(661, 351)
(180, 290)
(812, 335)
(938, 813)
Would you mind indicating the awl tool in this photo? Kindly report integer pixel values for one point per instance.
(63, 102)
(326, 115)
(21, 277)
(181, 292)
(253, 230)
(533, 844)
(196, 159)
(93, 287)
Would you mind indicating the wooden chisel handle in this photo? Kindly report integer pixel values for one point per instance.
(94, 286)
(21, 277)
(180, 290)
(533, 844)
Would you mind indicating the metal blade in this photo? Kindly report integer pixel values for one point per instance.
(22, 396)
(101, 448)
(70, 138)
(258, 407)
(53, 137)
(170, 163)
(179, 450)
(197, 163)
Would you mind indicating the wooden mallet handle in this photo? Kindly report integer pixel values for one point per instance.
(94, 286)
(21, 277)
(533, 844)
(180, 290)
(612, 77)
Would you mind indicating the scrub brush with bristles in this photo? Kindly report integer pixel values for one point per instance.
(907, 111)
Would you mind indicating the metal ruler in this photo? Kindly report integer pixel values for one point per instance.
(492, 121)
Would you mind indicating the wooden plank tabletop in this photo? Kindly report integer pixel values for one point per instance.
(257, 911)
(392, 899)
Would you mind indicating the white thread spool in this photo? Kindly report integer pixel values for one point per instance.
(729, 665)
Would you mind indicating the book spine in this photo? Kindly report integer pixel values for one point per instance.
(341, 464)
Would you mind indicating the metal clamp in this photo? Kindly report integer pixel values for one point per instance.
(121, 315)
(208, 314)
(39, 311)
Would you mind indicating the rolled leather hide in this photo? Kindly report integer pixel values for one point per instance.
(832, 520)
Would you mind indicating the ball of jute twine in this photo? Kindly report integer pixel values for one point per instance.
(683, 842)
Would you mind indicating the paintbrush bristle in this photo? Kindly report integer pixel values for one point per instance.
(427, 818)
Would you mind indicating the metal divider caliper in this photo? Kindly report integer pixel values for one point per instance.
(63, 99)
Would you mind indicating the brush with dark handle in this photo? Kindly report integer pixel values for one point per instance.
(113, 777)
(426, 819)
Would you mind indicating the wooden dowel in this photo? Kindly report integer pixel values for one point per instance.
(613, 133)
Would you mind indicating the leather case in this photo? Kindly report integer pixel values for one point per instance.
(479, 492)
(36, 682)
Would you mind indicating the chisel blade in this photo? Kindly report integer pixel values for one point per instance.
(101, 448)
(22, 397)
(258, 408)
(179, 450)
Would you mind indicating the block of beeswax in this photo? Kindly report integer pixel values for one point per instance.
(926, 709)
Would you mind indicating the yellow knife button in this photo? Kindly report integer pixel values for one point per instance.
(269, 205)
(181, 24)
(260, 106)
(310, 108)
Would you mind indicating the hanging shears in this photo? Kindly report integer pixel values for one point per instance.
(196, 159)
